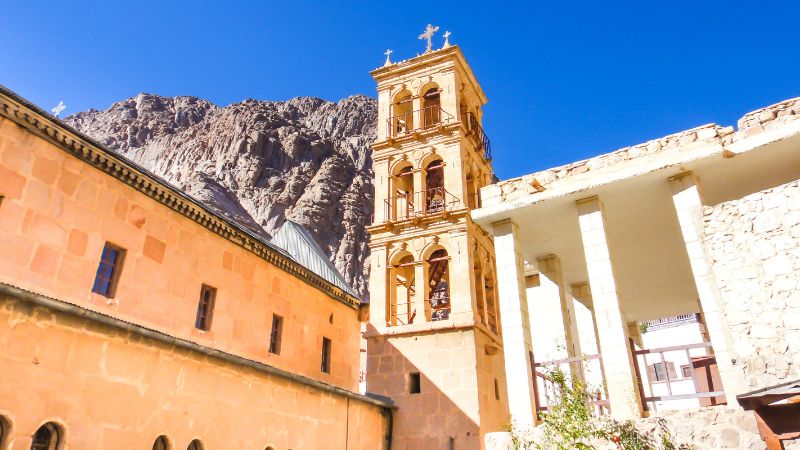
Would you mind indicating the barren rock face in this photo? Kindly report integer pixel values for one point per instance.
(259, 162)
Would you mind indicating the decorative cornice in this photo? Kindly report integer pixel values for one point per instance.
(77, 144)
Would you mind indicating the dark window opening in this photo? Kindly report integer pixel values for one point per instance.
(326, 355)
(205, 308)
(686, 371)
(46, 438)
(105, 281)
(496, 390)
(275, 334)
(195, 445)
(161, 443)
(414, 384)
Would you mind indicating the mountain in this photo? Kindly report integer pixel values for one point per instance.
(259, 162)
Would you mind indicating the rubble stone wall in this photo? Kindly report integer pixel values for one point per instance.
(754, 247)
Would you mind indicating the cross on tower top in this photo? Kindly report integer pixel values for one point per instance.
(430, 30)
(388, 53)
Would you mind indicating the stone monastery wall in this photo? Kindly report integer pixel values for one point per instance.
(754, 246)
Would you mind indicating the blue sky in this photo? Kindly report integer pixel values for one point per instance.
(566, 80)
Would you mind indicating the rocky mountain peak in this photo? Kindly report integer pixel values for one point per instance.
(259, 162)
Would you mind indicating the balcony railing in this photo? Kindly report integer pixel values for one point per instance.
(475, 130)
(547, 391)
(406, 123)
(417, 204)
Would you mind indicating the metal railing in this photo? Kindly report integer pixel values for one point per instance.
(475, 130)
(666, 322)
(406, 123)
(548, 393)
(711, 389)
(417, 204)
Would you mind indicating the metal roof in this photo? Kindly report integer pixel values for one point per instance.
(296, 240)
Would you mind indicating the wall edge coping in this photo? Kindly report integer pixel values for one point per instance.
(81, 312)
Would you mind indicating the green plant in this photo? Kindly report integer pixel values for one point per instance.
(570, 424)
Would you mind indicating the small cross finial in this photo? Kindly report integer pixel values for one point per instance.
(60, 107)
(430, 30)
(446, 39)
(388, 53)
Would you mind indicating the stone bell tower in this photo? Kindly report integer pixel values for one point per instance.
(433, 336)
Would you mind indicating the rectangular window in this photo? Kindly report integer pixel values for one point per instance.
(326, 355)
(660, 372)
(275, 334)
(205, 308)
(496, 390)
(414, 384)
(686, 371)
(105, 281)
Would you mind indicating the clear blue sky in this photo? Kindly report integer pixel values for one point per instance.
(566, 80)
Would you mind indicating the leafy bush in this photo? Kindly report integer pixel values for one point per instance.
(570, 424)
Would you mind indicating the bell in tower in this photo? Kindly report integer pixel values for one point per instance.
(433, 336)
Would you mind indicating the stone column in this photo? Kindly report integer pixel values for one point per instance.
(623, 393)
(688, 203)
(420, 293)
(552, 316)
(587, 333)
(378, 286)
(513, 305)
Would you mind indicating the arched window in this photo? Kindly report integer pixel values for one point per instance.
(480, 299)
(195, 445)
(402, 310)
(434, 187)
(162, 443)
(491, 301)
(439, 284)
(4, 431)
(269, 447)
(401, 120)
(473, 199)
(402, 197)
(47, 437)
(431, 107)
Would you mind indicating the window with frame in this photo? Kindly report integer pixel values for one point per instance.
(205, 308)
(686, 371)
(105, 280)
(275, 334)
(661, 371)
(326, 355)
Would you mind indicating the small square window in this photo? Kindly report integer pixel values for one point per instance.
(326, 355)
(414, 384)
(275, 334)
(105, 280)
(686, 371)
(205, 308)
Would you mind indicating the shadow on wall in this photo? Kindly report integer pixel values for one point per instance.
(426, 416)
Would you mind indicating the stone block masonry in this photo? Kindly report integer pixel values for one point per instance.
(754, 244)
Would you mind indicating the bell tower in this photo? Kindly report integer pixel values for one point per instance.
(433, 337)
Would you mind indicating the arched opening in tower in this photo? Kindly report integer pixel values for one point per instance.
(434, 186)
(431, 107)
(439, 285)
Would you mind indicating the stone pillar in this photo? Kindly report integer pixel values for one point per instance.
(587, 333)
(688, 203)
(552, 316)
(513, 305)
(421, 293)
(623, 393)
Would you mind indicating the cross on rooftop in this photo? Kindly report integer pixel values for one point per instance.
(430, 30)
(388, 53)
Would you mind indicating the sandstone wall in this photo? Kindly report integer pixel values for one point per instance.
(754, 245)
(114, 389)
(57, 213)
